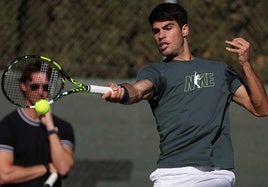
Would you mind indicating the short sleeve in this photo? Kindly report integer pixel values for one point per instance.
(66, 132)
(6, 140)
(152, 74)
(233, 79)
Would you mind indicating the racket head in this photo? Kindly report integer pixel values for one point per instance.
(30, 78)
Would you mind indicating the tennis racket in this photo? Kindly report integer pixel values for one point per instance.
(25, 76)
(51, 180)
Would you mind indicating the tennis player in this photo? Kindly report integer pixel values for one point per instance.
(33, 146)
(190, 99)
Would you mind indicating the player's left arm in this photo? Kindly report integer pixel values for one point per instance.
(62, 155)
(253, 97)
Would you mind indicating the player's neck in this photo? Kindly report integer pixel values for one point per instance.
(31, 113)
(184, 54)
(186, 57)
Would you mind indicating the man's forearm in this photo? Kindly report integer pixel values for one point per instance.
(18, 174)
(256, 89)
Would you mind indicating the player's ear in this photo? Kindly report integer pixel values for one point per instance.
(23, 87)
(185, 30)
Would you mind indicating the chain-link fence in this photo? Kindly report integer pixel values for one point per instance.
(91, 38)
(112, 38)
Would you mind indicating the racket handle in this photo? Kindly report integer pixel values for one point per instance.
(51, 180)
(99, 89)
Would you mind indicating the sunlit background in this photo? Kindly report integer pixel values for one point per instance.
(110, 40)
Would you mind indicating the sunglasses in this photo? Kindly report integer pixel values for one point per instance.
(37, 86)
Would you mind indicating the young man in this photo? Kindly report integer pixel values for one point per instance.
(32, 146)
(190, 98)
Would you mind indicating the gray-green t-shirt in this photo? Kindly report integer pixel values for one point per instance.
(191, 109)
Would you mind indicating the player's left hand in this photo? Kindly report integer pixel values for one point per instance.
(241, 47)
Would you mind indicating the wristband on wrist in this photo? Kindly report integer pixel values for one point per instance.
(47, 168)
(52, 131)
(125, 97)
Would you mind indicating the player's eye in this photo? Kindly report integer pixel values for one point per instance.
(155, 31)
(37, 86)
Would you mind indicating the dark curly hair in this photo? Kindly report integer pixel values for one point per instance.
(168, 12)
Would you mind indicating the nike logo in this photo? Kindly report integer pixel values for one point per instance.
(197, 81)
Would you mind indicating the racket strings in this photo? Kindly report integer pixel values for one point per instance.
(11, 84)
(14, 76)
(44, 68)
(53, 79)
(53, 82)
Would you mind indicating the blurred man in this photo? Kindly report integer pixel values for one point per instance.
(31, 145)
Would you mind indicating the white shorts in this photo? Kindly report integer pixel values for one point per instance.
(192, 177)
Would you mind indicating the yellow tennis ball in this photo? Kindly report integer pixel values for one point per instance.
(42, 106)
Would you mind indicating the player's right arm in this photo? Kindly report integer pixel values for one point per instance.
(126, 93)
(12, 174)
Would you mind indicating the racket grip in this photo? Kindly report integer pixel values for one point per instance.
(51, 180)
(99, 89)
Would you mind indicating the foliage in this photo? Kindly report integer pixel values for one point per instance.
(112, 38)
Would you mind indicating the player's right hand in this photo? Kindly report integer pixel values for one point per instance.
(116, 95)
